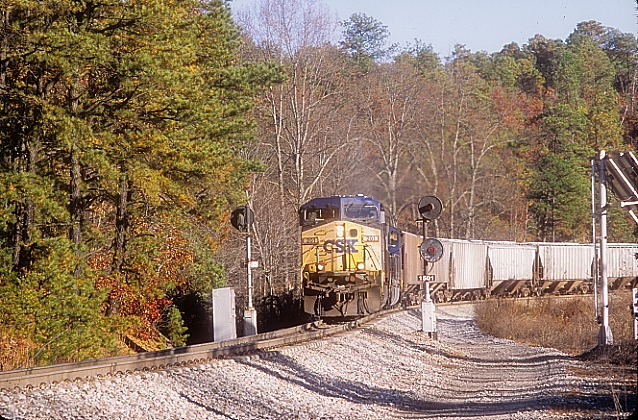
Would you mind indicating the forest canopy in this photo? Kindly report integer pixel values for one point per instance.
(504, 139)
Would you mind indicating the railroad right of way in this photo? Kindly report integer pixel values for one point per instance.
(385, 369)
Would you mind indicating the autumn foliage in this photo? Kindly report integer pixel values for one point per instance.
(130, 130)
(120, 126)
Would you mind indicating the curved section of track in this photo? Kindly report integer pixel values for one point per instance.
(178, 356)
(32, 377)
(385, 369)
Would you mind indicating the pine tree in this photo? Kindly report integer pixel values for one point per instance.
(119, 129)
(580, 116)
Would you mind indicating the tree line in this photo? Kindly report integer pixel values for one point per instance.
(130, 129)
(504, 139)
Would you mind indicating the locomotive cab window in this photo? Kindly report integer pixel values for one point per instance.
(393, 238)
(394, 241)
(368, 212)
(313, 215)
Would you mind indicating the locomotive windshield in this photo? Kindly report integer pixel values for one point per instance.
(326, 209)
(317, 214)
(318, 211)
(361, 209)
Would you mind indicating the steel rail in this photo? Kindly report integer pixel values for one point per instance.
(199, 353)
(177, 356)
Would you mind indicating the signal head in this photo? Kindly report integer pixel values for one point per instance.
(431, 250)
(430, 207)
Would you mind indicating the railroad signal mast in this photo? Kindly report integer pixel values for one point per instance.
(242, 219)
(619, 172)
(431, 250)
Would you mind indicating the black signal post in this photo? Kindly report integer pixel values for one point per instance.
(431, 250)
(242, 219)
(430, 208)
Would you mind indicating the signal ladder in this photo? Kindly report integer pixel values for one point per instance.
(618, 172)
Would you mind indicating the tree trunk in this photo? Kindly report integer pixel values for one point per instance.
(76, 207)
(121, 222)
(25, 212)
(121, 234)
(4, 47)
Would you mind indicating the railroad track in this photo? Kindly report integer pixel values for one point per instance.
(193, 354)
(178, 356)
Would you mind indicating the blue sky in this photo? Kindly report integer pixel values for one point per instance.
(483, 25)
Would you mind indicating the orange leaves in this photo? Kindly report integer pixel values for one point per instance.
(516, 109)
(14, 350)
(171, 259)
(139, 291)
(139, 303)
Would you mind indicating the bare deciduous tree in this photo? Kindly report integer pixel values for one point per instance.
(388, 113)
(300, 138)
(458, 134)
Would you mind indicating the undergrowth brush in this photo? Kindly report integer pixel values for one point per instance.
(568, 325)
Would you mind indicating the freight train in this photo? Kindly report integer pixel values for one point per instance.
(355, 263)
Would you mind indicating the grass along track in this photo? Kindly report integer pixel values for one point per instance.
(565, 323)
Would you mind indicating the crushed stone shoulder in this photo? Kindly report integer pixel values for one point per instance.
(387, 369)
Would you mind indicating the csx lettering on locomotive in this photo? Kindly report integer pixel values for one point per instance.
(340, 245)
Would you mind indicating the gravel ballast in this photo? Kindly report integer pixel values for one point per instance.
(387, 369)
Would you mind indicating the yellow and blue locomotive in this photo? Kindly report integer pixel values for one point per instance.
(351, 258)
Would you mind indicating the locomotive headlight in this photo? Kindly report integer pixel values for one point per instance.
(361, 266)
(320, 267)
(340, 231)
